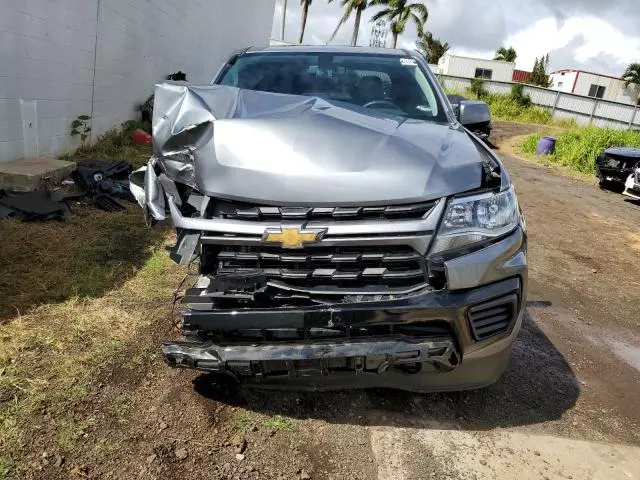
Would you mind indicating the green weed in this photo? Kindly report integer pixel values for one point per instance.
(116, 144)
(10, 468)
(68, 431)
(278, 422)
(244, 420)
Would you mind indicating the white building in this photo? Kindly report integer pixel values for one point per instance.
(593, 85)
(468, 67)
(63, 58)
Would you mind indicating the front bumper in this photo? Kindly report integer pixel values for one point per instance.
(428, 341)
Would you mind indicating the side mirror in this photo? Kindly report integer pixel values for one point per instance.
(473, 112)
(456, 110)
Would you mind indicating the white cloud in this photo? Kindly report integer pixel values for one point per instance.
(568, 30)
(596, 38)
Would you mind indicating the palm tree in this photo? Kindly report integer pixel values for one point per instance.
(283, 20)
(398, 12)
(303, 18)
(431, 47)
(632, 76)
(506, 54)
(349, 7)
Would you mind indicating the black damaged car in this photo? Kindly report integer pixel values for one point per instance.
(614, 165)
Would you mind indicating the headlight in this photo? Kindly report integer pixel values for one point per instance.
(477, 218)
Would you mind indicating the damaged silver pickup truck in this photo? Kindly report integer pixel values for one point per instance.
(349, 231)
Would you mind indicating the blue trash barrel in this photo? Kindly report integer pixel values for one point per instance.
(546, 146)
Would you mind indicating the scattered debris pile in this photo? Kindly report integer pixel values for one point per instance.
(102, 182)
(38, 205)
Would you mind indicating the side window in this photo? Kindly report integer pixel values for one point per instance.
(596, 91)
(484, 73)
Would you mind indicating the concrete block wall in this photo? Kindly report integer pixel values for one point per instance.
(64, 58)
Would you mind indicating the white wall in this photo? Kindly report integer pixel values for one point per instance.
(48, 50)
(466, 67)
(614, 88)
(563, 81)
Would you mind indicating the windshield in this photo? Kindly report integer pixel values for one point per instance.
(393, 84)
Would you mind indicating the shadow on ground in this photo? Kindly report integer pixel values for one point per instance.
(85, 255)
(539, 386)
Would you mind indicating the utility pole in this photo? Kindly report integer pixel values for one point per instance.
(284, 17)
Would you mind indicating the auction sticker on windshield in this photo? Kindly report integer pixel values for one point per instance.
(409, 62)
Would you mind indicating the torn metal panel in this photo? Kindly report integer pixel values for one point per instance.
(184, 250)
(249, 145)
(148, 191)
(373, 357)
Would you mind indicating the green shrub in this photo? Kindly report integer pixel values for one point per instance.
(515, 106)
(579, 148)
(477, 88)
(505, 107)
(518, 96)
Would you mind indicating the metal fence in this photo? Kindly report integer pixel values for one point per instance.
(563, 106)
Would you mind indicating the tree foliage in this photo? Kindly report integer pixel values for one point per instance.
(631, 76)
(506, 54)
(303, 18)
(431, 47)
(539, 74)
(399, 12)
(351, 6)
(518, 95)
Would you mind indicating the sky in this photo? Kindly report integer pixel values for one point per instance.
(590, 35)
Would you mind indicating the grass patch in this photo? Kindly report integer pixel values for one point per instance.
(9, 468)
(116, 144)
(83, 256)
(123, 407)
(68, 432)
(278, 422)
(51, 356)
(578, 149)
(75, 294)
(244, 420)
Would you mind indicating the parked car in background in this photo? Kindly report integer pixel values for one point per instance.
(348, 230)
(632, 185)
(615, 165)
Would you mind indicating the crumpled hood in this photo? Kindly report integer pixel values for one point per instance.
(288, 149)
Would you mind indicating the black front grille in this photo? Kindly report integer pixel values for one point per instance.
(348, 267)
(493, 317)
(432, 329)
(247, 211)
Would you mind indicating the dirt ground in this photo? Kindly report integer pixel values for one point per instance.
(567, 408)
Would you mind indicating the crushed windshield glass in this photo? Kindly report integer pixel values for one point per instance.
(395, 85)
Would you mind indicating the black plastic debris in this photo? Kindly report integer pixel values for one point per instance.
(104, 182)
(32, 206)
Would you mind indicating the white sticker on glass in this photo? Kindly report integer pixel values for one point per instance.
(409, 62)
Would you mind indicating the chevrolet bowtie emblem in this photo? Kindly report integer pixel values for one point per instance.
(292, 237)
